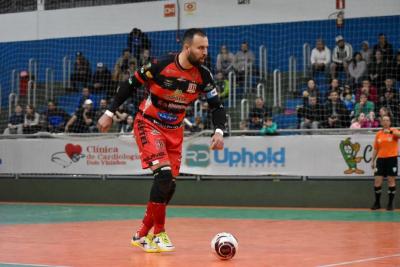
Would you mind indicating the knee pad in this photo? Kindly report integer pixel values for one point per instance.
(172, 191)
(162, 185)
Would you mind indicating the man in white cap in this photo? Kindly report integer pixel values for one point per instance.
(83, 119)
(341, 56)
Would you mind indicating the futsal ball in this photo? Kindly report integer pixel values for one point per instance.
(224, 245)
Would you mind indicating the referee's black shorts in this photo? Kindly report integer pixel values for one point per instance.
(386, 166)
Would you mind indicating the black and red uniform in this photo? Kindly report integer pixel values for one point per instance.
(158, 124)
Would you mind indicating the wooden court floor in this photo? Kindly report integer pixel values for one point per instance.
(99, 235)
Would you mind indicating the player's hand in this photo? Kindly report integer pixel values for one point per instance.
(217, 142)
(104, 124)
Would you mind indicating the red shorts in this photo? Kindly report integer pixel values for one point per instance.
(158, 144)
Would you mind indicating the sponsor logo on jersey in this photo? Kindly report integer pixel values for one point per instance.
(191, 88)
(167, 117)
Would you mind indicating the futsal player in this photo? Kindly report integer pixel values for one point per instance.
(384, 161)
(173, 82)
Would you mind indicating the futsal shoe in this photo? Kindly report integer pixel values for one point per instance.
(390, 206)
(376, 206)
(145, 242)
(163, 242)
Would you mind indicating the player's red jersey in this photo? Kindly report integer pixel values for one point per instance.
(172, 88)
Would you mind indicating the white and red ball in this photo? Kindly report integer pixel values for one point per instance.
(224, 245)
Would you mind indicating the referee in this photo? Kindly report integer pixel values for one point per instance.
(384, 161)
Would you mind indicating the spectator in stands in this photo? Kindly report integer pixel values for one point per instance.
(388, 86)
(357, 69)
(366, 52)
(348, 98)
(310, 90)
(334, 85)
(145, 58)
(244, 125)
(270, 127)
(15, 121)
(358, 121)
(335, 113)
(378, 69)
(83, 120)
(128, 127)
(312, 117)
(197, 125)
(225, 61)
(389, 101)
(85, 95)
(320, 57)
(341, 56)
(370, 121)
(137, 43)
(222, 85)
(54, 119)
(257, 115)
(363, 106)
(102, 79)
(244, 60)
(395, 68)
(122, 66)
(31, 120)
(369, 90)
(81, 75)
(383, 111)
(102, 108)
(120, 116)
(385, 47)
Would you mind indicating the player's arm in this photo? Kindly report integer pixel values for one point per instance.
(218, 117)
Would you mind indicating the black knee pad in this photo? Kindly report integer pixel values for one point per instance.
(172, 191)
(162, 185)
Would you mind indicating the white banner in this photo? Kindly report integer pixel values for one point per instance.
(298, 155)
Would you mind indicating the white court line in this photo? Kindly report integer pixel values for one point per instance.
(362, 260)
(29, 264)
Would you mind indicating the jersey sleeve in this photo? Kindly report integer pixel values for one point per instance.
(147, 72)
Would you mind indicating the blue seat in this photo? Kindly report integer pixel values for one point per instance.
(286, 121)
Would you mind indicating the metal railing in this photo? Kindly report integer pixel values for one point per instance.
(33, 76)
(11, 97)
(49, 83)
(244, 109)
(248, 76)
(292, 74)
(277, 88)
(263, 62)
(306, 59)
(229, 121)
(232, 89)
(66, 72)
(261, 91)
(198, 109)
(14, 81)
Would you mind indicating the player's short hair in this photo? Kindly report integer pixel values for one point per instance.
(190, 33)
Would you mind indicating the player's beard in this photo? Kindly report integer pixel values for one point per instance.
(193, 60)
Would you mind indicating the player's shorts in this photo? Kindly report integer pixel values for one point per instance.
(386, 166)
(158, 144)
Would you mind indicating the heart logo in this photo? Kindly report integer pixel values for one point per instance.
(71, 150)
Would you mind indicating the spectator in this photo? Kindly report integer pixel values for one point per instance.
(385, 47)
(377, 69)
(82, 73)
(357, 122)
(257, 115)
(197, 125)
(15, 121)
(122, 66)
(320, 57)
(389, 101)
(269, 127)
(128, 127)
(103, 107)
(244, 125)
(85, 95)
(312, 114)
(54, 119)
(83, 120)
(120, 116)
(383, 111)
(395, 68)
(363, 106)
(348, 98)
(31, 120)
(222, 85)
(145, 58)
(369, 90)
(310, 90)
(225, 61)
(366, 52)
(333, 86)
(370, 121)
(137, 43)
(388, 86)
(244, 60)
(335, 113)
(341, 56)
(102, 79)
(357, 69)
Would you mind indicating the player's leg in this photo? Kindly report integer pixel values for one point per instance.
(392, 173)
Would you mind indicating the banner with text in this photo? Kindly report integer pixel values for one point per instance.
(299, 155)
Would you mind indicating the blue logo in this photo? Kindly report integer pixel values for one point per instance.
(245, 157)
(167, 117)
(197, 155)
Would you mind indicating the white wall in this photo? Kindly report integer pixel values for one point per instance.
(150, 16)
